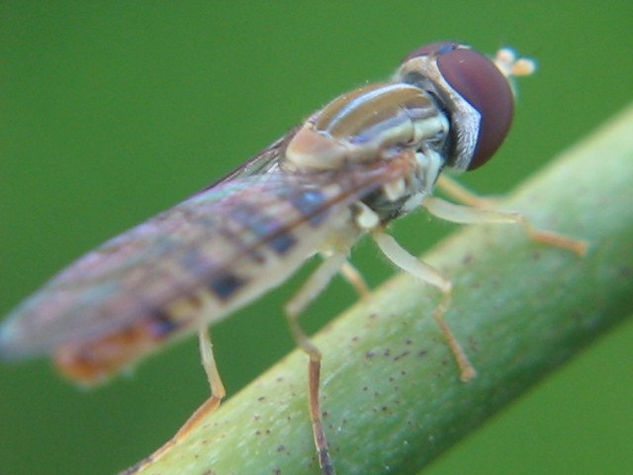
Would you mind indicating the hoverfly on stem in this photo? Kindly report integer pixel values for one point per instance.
(368, 157)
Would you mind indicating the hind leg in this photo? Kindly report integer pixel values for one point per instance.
(208, 407)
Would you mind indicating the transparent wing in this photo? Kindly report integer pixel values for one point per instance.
(261, 164)
(203, 242)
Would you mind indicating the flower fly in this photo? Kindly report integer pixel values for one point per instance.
(368, 157)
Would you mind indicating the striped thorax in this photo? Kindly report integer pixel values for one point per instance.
(369, 124)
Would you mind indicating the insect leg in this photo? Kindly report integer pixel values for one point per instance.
(460, 193)
(208, 407)
(209, 365)
(313, 287)
(471, 215)
(315, 284)
(426, 273)
(213, 376)
(351, 274)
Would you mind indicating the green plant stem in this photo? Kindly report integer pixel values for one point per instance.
(391, 391)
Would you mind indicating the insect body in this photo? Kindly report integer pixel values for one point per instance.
(365, 159)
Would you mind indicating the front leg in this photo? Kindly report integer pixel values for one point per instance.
(471, 215)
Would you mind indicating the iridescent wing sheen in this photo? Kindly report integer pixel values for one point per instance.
(264, 162)
(233, 240)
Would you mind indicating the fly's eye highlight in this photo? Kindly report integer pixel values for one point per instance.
(485, 87)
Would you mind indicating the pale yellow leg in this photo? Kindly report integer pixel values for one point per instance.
(208, 407)
(351, 274)
(209, 365)
(469, 215)
(315, 284)
(428, 274)
(460, 193)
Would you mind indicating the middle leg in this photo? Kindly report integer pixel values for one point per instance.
(428, 274)
(315, 284)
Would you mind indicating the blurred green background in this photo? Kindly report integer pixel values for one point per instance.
(114, 112)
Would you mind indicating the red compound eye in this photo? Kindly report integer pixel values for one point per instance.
(480, 82)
